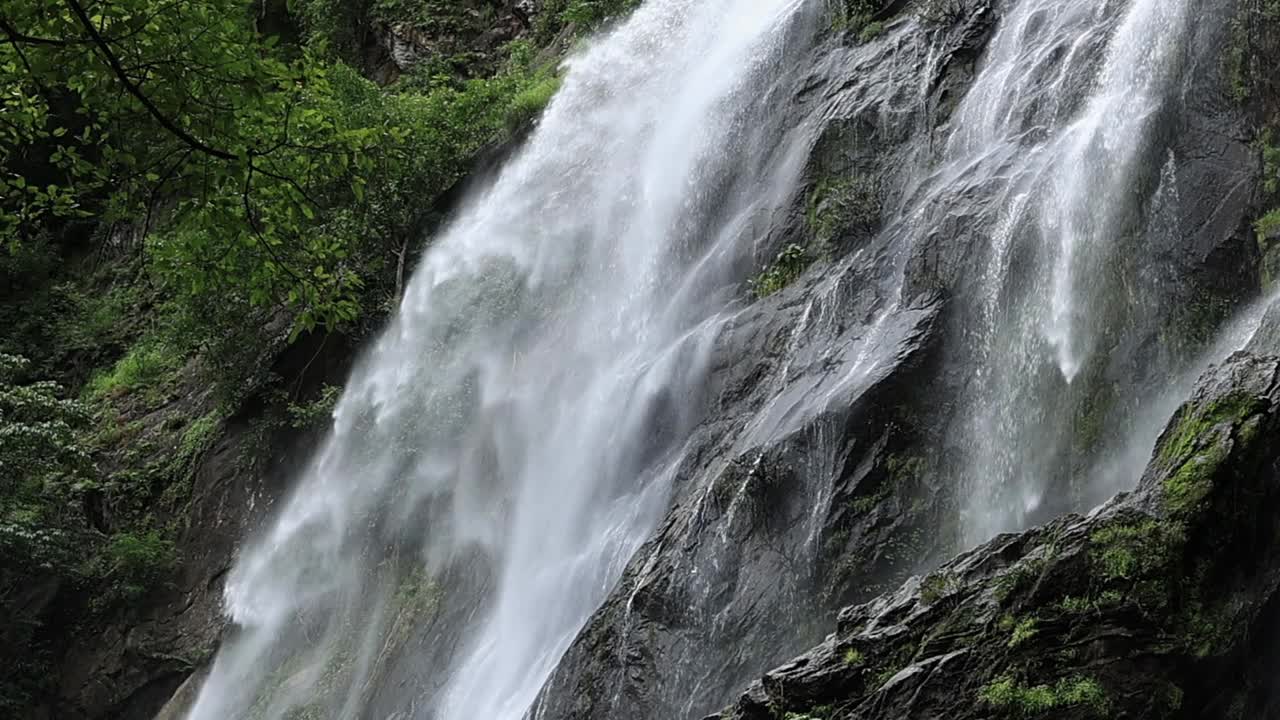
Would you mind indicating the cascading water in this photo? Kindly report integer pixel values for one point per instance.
(1063, 115)
(505, 447)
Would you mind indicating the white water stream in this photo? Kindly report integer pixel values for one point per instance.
(518, 414)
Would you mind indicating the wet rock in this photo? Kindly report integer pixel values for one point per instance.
(1157, 605)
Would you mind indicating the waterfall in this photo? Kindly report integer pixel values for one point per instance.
(506, 446)
(1063, 114)
(516, 436)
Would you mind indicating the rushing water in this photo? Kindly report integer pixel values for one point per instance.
(1063, 113)
(511, 441)
(512, 427)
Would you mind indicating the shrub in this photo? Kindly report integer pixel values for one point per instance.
(316, 412)
(147, 364)
(1023, 631)
(1268, 225)
(1024, 701)
(529, 103)
(137, 562)
(788, 266)
(39, 440)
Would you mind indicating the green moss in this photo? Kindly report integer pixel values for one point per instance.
(943, 12)
(842, 203)
(1135, 559)
(199, 435)
(1023, 631)
(1268, 227)
(1075, 605)
(871, 31)
(1090, 421)
(1270, 150)
(1008, 694)
(854, 657)
(788, 266)
(1118, 550)
(1186, 489)
(1195, 456)
(1203, 630)
(1236, 62)
(1018, 578)
(854, 15)
(935, 587)
(418, 594)
(886, 674)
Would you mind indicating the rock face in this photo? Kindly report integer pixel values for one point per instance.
(1161, 604)
(128, 664)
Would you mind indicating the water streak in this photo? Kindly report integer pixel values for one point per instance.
(1068, 158)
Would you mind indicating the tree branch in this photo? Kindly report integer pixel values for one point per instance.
(14, 37)
(133, 90)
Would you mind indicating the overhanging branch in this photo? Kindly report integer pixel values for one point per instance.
(133, 90)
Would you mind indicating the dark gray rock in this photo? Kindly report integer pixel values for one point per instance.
(1159, 605)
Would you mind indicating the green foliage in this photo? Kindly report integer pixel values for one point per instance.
(854, 657)
(1008, 694)
(1018, 578)
(277, 179)
(855, 15)
(39, 435)
(1021, 630)
(841, 204)
(871, 31)
(1268, 145)
(583, 14)
(786, 267)
(530, 102)
(134, 563)
(146, 365)
(316, 412)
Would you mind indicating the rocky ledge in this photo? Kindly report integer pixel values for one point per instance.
(1160, 604)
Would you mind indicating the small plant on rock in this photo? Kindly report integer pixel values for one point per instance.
(788, 266)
